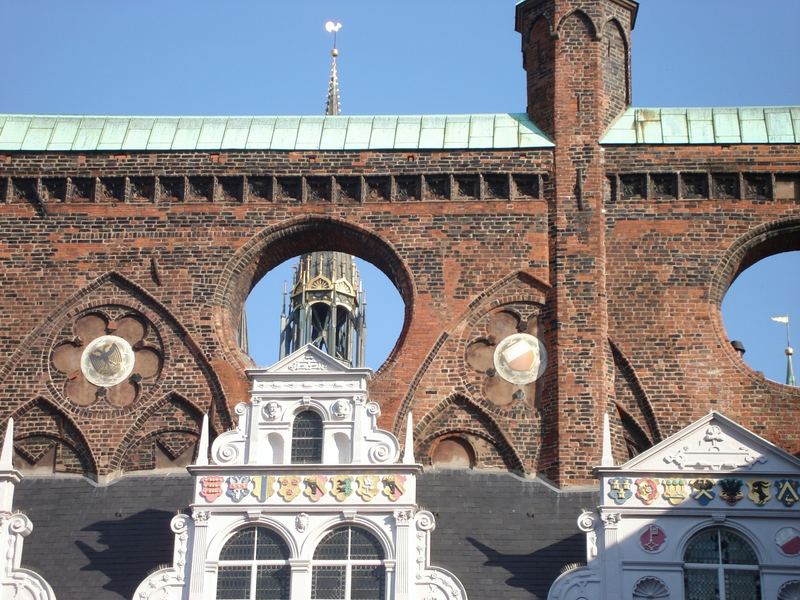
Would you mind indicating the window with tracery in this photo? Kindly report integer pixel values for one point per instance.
(307, 439)
(721, 565)
(348, 565)
(254, 565)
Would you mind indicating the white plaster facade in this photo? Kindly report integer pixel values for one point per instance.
(16, 583)
(649, 511)
(362, 481)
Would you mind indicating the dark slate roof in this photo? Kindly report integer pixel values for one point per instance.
(504, 537)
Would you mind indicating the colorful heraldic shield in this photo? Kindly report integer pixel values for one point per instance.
(394, 486)
(788, 541)
(211, 487)
(314, 487)
(647, 490)
(731, 490)
(674, 491)
(759, 491)
(653, 538)
(620, 489)
(703, 491)
(238, 487)
(341, 487)
(262, 487)
(289, 487)
(788, 491)
(368, 486)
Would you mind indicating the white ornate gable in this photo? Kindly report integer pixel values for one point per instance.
(250, 480)
(308, 359)
(714, 444)
(308, 379)
(714, 473)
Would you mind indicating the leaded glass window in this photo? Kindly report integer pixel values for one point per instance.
(307, 439)
(348, 565)
(721, 565)
(253, 565)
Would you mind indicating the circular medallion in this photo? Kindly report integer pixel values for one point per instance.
(520, 358)
(653, 539)
(788, 541)
(107, 361)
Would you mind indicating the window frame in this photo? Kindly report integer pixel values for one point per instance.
(254, 563)
(321, 438)
(720, 567)
(348, 563)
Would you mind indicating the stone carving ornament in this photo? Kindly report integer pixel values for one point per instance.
(650, 588)
(109, 355)
(508, 355)
(790, 590)
(340, 409)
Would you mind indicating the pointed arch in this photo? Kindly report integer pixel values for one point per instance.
(516, 286)
(634, 437)
(540, 22)
(172, 424)
(616, 69)
(583, 18)
(443, 421)
(124, 292)
(631, 380)
(40, 427)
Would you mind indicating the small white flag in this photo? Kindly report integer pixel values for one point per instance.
(784, 320)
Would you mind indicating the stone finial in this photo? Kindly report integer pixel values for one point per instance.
(7, 455)
(202, 445)
(408, 451)
(608, 458)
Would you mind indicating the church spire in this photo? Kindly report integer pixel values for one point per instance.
(790, 379)
(327, 305)
(333, 105)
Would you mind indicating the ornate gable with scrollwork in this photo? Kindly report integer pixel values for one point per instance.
(299, 484)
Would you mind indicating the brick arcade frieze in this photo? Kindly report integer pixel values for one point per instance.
(717, 185)
(407, 187)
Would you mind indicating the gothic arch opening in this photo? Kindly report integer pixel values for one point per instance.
(282, 243)
(756, 289)
(349, 309)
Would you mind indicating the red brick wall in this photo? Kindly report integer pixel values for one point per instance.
(617, 257)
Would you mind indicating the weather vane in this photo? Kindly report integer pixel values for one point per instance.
(333, 27)
(790, 379)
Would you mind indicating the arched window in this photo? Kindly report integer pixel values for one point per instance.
(254, 565)
(348, 565)
(721, 565)
(307, 439)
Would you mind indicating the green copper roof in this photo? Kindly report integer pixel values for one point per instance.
(757, 125)
(36, 133)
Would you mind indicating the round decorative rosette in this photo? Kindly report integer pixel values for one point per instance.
(107, 356)
(510, 357)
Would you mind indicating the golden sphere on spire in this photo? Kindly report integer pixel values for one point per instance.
(335, 52)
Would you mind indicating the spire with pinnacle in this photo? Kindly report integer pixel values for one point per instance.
(326, 305)
(333, 106)
(790, 379)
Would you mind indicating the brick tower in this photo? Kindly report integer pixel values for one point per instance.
(577, 58)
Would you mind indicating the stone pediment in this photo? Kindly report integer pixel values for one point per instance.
(308, 360)
(714, 444)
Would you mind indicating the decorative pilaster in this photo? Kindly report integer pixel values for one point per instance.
(301, 578)
(403, 519)
(197, 573)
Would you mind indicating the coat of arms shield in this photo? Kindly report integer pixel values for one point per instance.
(731, 490)
(289, 487)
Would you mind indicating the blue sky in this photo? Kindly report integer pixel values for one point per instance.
(207, 57)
